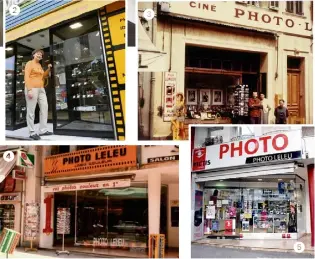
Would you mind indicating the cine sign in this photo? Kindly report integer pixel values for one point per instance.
(163, 159)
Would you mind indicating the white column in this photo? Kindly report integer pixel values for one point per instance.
(154, 196)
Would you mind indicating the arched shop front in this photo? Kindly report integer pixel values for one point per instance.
(258, 188)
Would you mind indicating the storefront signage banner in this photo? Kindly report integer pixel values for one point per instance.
(170, 85)
(153, 154)
(264, 149)
(102, 159)
(229, 12)
(89, 186)
(163, 159)
(10, 197)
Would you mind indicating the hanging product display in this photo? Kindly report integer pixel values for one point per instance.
(63, 221)
(31, 217)
(241, 97)
(169, 95)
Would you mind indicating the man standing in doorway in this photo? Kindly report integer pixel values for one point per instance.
(281, 113)
(255, 106)
(265, 110)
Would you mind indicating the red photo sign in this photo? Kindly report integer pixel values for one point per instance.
(199, 159)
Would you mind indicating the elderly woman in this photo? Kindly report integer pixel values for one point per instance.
(34, 77)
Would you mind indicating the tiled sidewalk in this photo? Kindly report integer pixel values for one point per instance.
(284, 245)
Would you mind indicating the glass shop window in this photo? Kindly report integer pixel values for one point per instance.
(9, 83)
(82, 93)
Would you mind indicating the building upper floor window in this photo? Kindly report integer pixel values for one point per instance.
(263, 4)
(56, 150)
(295, 7)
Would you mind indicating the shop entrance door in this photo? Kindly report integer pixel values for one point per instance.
(295, 102)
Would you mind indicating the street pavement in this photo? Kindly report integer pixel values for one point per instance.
(45, 254)
(206, 251)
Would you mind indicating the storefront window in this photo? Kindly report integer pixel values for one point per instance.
(7, 216)
(82, 94)
(24, 55)
(9, 84)
(253, 205)
(106, 218)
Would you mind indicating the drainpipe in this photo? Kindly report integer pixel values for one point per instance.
(152, 81)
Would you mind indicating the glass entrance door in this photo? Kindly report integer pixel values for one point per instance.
(82, 101)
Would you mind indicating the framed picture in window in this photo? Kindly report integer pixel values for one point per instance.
(205, 97)
(217, 97)
(191, 96)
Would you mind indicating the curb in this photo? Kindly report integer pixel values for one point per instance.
(309, 252)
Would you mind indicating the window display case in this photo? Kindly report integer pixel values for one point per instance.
(7, 216)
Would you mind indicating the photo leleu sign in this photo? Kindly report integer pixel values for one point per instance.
(169, 95)
(93, 160)
(63, 221)
(263, 149)
(31, 225)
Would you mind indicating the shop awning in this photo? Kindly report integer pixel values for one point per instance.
(6, 167)
(63, 13)
(246, 172)
(150, 58)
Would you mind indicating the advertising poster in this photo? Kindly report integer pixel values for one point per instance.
(63, 221)
(31, 225)
(198, 227)
(169, 95)
(210, 214)
(228, 226)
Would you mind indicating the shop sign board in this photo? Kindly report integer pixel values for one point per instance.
(10, 197)
(19, 173)
(109, 184)
(25, 159)
(158, 153)
(170, 85)
(163, 159)
(231, 13)
(94, 160)
(31, 217)
(268, 148)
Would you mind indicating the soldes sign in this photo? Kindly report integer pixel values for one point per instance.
(276, 147)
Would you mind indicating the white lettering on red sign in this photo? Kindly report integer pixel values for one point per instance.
(279, 142)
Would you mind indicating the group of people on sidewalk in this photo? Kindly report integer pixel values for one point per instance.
(259, 110)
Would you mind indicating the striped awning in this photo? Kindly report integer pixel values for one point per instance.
(6, 167)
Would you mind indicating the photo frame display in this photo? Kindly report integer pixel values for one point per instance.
(217, 97)
(191, 96)
(205, 96)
